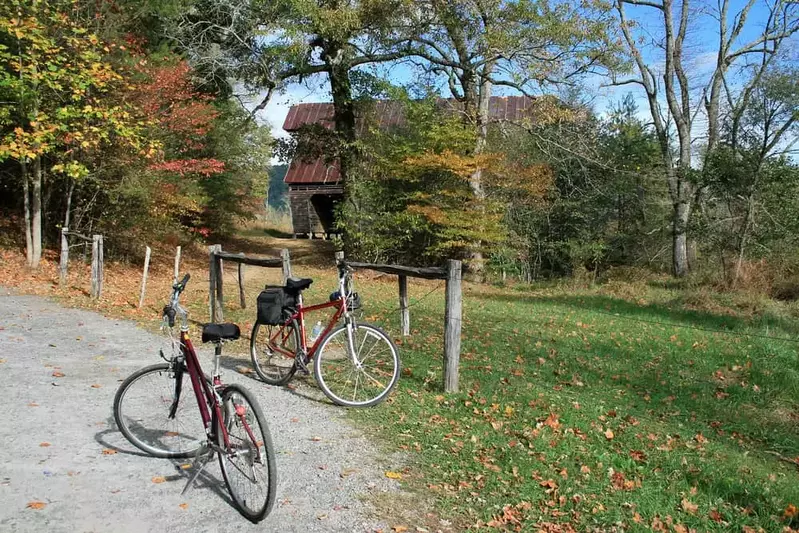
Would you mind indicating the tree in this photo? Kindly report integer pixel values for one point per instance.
(674, 20)
(522, 44)
(751, 153)
(264, 45)
(54, 73)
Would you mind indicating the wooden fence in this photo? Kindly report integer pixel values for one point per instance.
(215, 289)
(453, 307)
(453, 301)
(97, 259)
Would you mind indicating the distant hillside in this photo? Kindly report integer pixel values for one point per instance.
(278, 191)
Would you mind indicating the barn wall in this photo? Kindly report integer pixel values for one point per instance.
(304, 215)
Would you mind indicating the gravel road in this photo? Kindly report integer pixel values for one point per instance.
(58, 440)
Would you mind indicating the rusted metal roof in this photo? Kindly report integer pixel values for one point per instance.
(387, 114)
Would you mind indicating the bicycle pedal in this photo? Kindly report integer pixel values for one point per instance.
(302, 366)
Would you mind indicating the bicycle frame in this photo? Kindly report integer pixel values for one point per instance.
(300, 317)
(205, 394)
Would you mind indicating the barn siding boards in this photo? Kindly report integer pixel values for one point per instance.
(311, 215)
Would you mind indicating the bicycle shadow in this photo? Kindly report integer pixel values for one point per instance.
(301, 386)
(185, 467)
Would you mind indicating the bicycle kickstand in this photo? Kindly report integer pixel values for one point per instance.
(200, 464)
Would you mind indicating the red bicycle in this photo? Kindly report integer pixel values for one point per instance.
(150, 410)
(355, 364)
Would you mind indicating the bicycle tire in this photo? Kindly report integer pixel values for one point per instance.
(334, 350)
(155, 433)
(254, 508)
(276, 373)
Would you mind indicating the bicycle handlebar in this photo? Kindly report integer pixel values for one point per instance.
(171, 310)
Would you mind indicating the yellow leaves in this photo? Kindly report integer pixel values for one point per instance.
(393, 475)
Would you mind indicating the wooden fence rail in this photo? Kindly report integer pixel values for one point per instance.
(453, 307)
(215, 287)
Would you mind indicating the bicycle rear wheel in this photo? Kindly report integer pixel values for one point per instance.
(248, 466)
(151, 415)
(368, 378)
(273, 351)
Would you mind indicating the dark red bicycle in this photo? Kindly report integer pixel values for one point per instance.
(354, 363)
(150, 409)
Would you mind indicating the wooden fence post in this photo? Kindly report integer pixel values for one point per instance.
(242, 299)
(212, 283)
(100, 269)
(452, 326)
(405, 316)
(97, 266)
(177, 264)
(284, 255)
(220, 299)
(144, 275)
(62, 266)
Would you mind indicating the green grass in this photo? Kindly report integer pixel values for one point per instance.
(626, 407)
(578, 407)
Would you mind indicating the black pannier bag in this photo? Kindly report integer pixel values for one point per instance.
(271, 303)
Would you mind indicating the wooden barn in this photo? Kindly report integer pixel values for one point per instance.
(315, 188)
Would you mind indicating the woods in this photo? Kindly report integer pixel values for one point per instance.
(659, 135)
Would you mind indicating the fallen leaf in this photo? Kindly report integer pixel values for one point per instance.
(790, 512)
(609, 434)
(36, 505)
(316, 439)
(109, 451)
(2, 361)
(58, 374)
(689, 507)
(96, 386)
(184, 506)
(393, 475)
(33, 404)
(715, 515)
(399, 529)
(348, 472)
(44, 444)
(295, 419)
(185, 466)
(158, 479)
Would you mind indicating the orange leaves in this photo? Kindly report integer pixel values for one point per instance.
(609, 434)
(36, 505)
(44, 445)
(58, 374)
(158, 479)
(109, 451)
(688, 506)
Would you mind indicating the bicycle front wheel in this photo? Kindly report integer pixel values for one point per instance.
(152, 408)
(362, 378)
(273, 350)
(248, 465)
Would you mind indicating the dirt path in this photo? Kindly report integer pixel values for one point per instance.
(325, 467)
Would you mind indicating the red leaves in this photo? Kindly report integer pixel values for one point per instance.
(205, 167)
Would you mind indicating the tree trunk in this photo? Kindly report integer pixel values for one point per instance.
(36, 212)
(680, 216)
(476, 263)
(343, 109)
(68, 212)
(27, 202)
